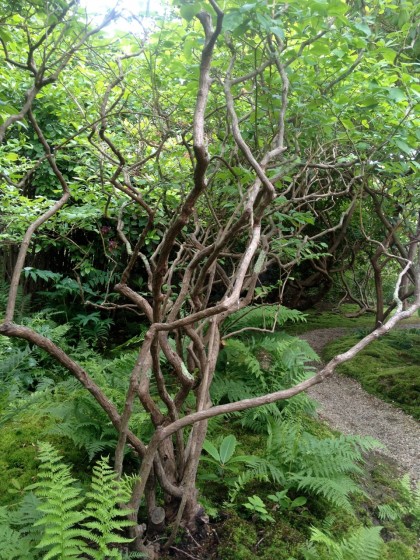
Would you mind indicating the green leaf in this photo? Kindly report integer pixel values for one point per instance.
(404, 147)
(232, 20)
(396, 94)
(388, 54)
(11, 156)
(337, 8)
(211, 450)
(227, 448)
(248, 7)
(188, 11)
(5, 36)
(277, 31)
(364, 28)
(300, 501)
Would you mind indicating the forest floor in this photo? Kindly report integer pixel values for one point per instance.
(346, 407)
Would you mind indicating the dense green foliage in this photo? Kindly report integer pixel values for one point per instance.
(53, 520)
(171, 199)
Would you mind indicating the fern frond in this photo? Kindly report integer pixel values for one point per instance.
(15, 545)
(262, 365)
(262, 316)
(14, 362)
(364, 543)
(242, 480)
(106, 519)
(333, 547)
(386, 511)
(335, 490)
(59, 500)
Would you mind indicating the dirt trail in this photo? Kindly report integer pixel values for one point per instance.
(349, 409)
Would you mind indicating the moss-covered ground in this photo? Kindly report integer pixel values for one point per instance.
(388, 368)
(339, 317)
(242, 535)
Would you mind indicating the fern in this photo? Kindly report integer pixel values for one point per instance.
(263, 364)
(364, 544)
(297, 459)
(69, 528)
(301, 461)
(409, 505)
(14, 361)
(386, 511)
(16, 542)
(18, 536)
(336, 490)
(102, 509)
(80, 419)
(13, 544)
(60, 503)
(258, 469)
(411, 496)
(262, 316)
(22, 301)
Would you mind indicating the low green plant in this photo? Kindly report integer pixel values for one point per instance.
(67, 526)
(365, 543)
(262, 317)
(283, 502)
(18, 461)
(18, 535)
(60, 507)
(296, 459)
(409, 504)
(256, 506)
(223, 458)
(263, 364)
(92, 327)
(105, 519)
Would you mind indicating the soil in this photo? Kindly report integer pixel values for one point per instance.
(345, 406)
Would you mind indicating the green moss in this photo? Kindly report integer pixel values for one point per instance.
(18, 455)
(388, 368)
(18, 463)
(397, 550)
(238, 539)
(241, 539)
(330, 319)
(316, 319)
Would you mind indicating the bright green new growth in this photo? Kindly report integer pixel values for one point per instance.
(60, 506)
(63, 518)
(106, 517)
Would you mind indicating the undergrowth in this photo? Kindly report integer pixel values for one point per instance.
(277, 483)
(59, 521)
(320, 528)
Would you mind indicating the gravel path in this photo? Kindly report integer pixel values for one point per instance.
(349, 409)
